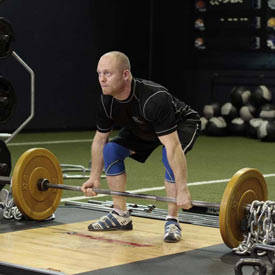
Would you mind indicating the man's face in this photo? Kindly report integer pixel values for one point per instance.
(110, 76)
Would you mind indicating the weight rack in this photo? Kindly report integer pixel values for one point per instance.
(150, 212)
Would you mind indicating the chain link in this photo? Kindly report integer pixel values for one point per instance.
(260, 227)
(8, 209)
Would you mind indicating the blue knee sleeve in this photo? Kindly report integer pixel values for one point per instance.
(114, 155)
(169, 175)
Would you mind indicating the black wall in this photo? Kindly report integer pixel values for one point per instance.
(200, 78)
(61, 40)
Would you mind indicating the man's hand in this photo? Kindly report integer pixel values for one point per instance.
(184, 198)
(100, 139)
(87, 187)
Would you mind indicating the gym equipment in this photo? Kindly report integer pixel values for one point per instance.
(6, 37)
(246, 185)
(211, 110)
(266, 131)
(267, 111)
(240, 96)
(74, 171)
(216, 126)
(7, 99)
(252, 127)
(149, 211)
(5, 161)
(37, 183)
(204, 121)
(248, 112)
(250, 262)
(265, 265)
(237, 127)
(261, 95)
(229, 111)
(9, 136)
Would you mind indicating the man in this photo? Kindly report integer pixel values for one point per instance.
(148, 116)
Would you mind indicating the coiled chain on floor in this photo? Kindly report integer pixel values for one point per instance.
(260, 227)
(8, 207)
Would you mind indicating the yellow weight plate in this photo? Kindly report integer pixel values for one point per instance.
(246, 185)
(35, 164)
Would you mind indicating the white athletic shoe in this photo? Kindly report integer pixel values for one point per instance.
(172, 232)
(112, 221)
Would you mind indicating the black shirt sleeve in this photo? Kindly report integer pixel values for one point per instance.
(159, 110)
(104, 123)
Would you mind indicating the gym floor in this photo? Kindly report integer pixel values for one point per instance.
(64, 245)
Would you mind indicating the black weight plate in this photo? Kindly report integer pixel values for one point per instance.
(5, 161)
(7, 100)
(6, 37)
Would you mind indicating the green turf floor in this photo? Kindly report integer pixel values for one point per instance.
(212, 158)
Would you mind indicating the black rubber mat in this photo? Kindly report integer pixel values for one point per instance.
(210, 260)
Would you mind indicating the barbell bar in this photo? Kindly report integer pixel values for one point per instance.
(37, 185)
(44, 185)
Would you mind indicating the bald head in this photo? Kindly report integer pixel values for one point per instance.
(114, 74)
(121, 60)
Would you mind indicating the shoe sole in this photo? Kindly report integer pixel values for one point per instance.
(172, 241)
(125, 227)
(110, 229)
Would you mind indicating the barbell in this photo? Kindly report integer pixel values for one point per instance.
(37, 185)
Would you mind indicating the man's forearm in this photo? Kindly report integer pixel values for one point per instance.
(97, 160)
(178, 163)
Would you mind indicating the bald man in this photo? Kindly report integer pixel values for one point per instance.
(149, 116)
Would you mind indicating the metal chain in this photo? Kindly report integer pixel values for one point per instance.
(8, 208)
(11, 211)
(260, 227)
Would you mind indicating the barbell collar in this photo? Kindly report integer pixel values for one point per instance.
(5, 180)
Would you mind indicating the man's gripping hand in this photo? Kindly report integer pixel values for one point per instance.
(87, 187)
(184, 198)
